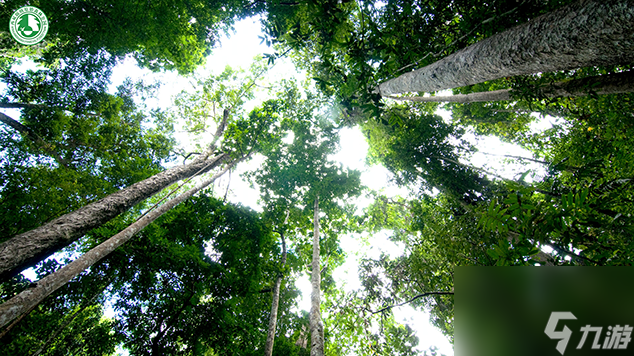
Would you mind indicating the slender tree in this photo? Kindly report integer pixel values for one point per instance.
(617, 83)
(43, 288)
(300, 175)
(316, 325)
(270, 338)
(26, 249)
(584, 33)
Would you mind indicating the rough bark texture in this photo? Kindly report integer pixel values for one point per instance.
(495, 95)
(270, 338)
(617, 83)
(22, 302)
(584, 33)
(316, 325)
(26, 249)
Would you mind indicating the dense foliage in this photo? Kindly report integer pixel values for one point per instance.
(198, 281)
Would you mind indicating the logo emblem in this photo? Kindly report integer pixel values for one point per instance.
(28, 25)
(564, 334)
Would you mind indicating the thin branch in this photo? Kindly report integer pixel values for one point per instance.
(189, 155)
(21, 106)
(512, 156)
(227, 190)
(27, 132)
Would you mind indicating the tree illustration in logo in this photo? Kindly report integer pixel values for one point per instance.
(29, 25)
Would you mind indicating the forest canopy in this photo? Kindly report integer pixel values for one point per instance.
(116, 238)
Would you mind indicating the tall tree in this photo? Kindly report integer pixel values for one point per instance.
(77, 144)
(298, 176)
(564, 39)
(23, 250)
(270, 337)
(316, 324)
(27, 248)
(33, 296)
(616, 83)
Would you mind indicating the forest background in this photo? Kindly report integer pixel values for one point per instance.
(201, 275)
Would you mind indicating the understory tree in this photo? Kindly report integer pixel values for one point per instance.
(298, 179)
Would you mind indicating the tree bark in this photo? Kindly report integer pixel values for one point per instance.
(47, 285)
(584, 33)
(617, 83)
(270, 338)
(26, 249)
(316, 325)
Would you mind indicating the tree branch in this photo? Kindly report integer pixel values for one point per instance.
(21, 106)
(27, 132)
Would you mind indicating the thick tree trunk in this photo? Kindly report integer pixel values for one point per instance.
(270, 338)
(316, 325)
(494, 95)
(617, 83)
(26, 249)
(49, 284)
(584, 33)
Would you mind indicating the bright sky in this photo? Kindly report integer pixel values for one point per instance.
(238, 51)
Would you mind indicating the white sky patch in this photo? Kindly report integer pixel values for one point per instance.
(240, 190)
(428, 335)
(353, 148)
(347, 277)
(303, 284)
(492, 157)
(289, 138)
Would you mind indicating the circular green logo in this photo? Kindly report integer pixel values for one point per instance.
(28, 25)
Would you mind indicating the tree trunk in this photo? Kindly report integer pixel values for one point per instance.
(270, 338)
(26, 249)
(49, 284)
(584, 33)
(316, 326)
(617, 83)
(21, 106)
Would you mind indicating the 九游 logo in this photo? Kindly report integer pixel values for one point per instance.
(616, 338)
(28, 25)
